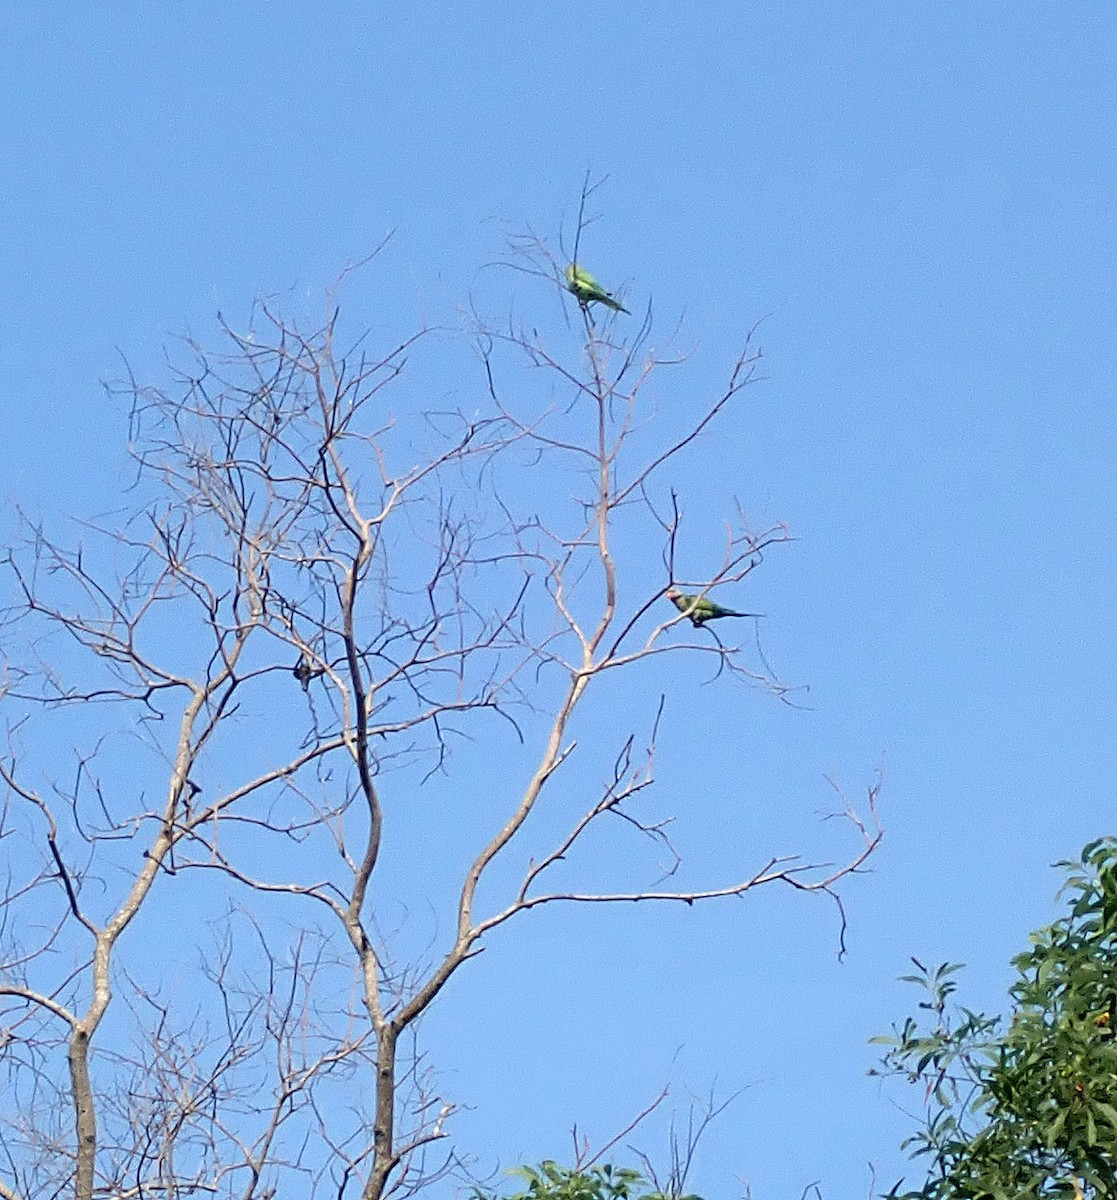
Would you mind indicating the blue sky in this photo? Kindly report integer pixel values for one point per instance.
(920, 201)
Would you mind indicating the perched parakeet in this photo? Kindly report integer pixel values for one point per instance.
(588, 291)
(304, 673)
(701, 609)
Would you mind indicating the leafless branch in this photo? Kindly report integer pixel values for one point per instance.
(310, 605)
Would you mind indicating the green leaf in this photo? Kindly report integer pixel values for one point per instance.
(1014, 1101)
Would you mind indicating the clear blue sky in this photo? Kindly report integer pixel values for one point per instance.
(922, 197)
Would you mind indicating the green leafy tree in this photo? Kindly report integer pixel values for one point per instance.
(549, 1181)
(1024, 1104)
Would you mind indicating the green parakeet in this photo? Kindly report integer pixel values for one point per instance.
(588, 291)
(701, 609)
(304, 672)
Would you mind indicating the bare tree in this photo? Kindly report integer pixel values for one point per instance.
(309, 614)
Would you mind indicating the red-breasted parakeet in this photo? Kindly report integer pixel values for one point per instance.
(701, 609)
(588, 291)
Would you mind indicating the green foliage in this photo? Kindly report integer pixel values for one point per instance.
(549, 1181)
(1024, 1105)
